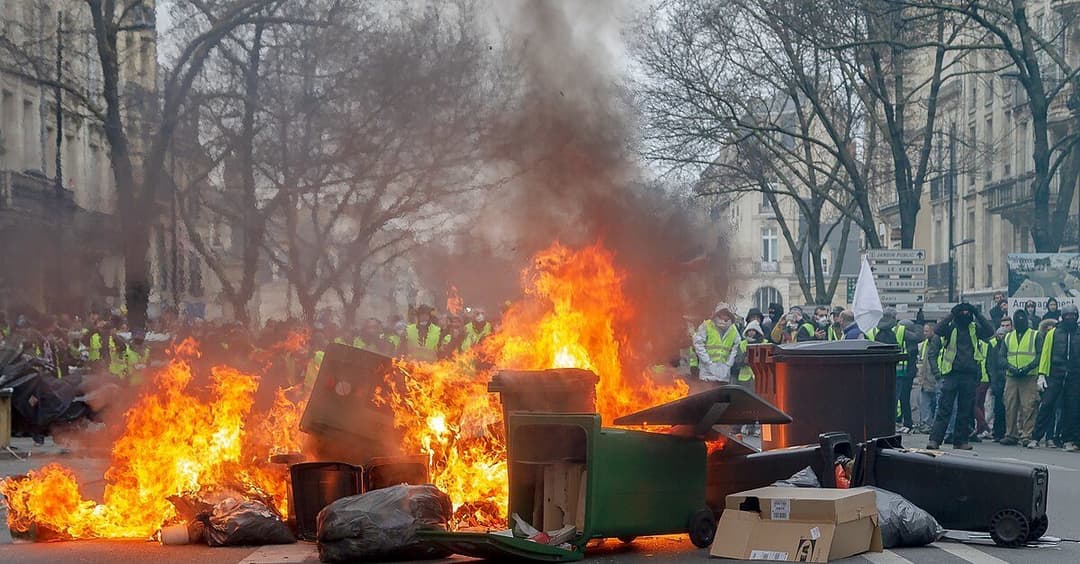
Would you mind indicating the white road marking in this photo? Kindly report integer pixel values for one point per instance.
(887, 557)
(283, 554)
(969, 553)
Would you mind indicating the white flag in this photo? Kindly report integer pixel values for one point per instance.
(867, 303)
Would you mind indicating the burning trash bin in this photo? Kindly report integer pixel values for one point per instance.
(827, 386)
(569, 474)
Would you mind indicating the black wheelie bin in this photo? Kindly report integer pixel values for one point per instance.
(1006, 499)
(827, 386)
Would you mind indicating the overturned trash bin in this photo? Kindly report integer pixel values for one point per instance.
(827, 386)
(567, 471)
(1006, 499)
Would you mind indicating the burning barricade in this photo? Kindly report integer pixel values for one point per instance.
(195, 436)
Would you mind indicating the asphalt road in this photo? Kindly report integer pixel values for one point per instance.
(1064, 511)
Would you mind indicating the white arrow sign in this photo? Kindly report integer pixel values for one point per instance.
(897, 284)
(896, 254)
(914, 269)
(887, 298)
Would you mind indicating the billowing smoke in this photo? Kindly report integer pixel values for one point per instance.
(572, 133)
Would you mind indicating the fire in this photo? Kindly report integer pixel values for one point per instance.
(571, 317)
(454, 304)
(180, 438)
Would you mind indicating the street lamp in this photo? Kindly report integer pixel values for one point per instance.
(952, 260)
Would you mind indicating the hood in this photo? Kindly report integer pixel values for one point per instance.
(755, 326)
(777, 309)
(754, 312)
(888, 318)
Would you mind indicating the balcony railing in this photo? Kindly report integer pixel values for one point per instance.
(767, 267)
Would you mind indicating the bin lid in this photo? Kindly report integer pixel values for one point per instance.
(549, 379)
(855, 347)
(725, 405)
(497, 548)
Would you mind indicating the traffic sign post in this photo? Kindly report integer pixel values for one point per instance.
(900, 275)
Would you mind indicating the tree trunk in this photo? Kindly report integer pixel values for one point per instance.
(1045, 240)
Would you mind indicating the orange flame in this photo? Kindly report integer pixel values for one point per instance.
(454, 304)
(570, 318)
(179, 438)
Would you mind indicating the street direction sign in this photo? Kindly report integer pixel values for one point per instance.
(902, 298)
(900, 284)
(885, 269)
(896, 254)
(938, 307)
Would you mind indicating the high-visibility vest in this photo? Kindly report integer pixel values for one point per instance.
(835, 335)
(1021, 350)
(1047, 352)
(472, 336)
(427, 349)
(395, 342)
(900, 332)
(719, 346)
(312, 369)
(117, 359)
(746, 373)
(948, 356)
(982, 363)
(95, 348)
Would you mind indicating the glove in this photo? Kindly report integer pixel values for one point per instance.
(1042, 383)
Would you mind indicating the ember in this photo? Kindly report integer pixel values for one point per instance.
(180, 439)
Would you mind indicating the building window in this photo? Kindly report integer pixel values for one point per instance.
(769, 249)
(973, 151)
(766, 295)
(1022, 155)
(989, 90)
(988, 155)
(974, 93)
(824, 265)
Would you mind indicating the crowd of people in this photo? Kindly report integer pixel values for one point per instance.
(102, 342)
(1010, 377)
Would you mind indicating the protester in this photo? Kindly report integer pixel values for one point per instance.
(477, 329)
(1000, 308)
(996, 361)
(1029, 307)
(1059, 377)
(927, 380)
(772, 319)
(1021, 382)
(836, 328)
(960, 369)
(889, 331)
(851, 329)
(1052, 311)
(422, 338)
(795, 328)
(716, 345)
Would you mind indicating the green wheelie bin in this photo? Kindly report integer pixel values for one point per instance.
(565, 469)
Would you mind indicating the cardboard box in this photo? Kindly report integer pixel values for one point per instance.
(798, 525)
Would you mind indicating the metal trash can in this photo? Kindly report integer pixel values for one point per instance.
(314, 485)
(827, 386)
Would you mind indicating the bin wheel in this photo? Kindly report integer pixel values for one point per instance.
(1009, 528)
(702, 528)
(1038, 528)
(627, 539)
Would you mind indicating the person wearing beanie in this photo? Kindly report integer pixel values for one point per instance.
(889, 331)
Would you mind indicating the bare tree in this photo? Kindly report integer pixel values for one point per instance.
(734, 92)
(1035, 56)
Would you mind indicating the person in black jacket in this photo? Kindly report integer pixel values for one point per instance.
(960, 333)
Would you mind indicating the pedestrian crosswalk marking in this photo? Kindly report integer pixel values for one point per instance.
(969, 553)
(887, 557)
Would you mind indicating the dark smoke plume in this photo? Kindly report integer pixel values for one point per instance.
(573, 134)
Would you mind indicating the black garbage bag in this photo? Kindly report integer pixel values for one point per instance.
(382, 525)
(903, 523)
(805, 478)
(244, 523)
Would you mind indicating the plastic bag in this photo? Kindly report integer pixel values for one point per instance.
(245, 523)
(382, 525)
(805, 478)
(903, 523)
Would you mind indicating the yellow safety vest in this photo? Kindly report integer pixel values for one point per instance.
(312, 370)
(95, 348)
(719, 347)
(746, 373)
(425, 350)
(472, 336)
(900, 332)
(948, 356)
(835, 335)
(1021, 350)
(982, 363)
